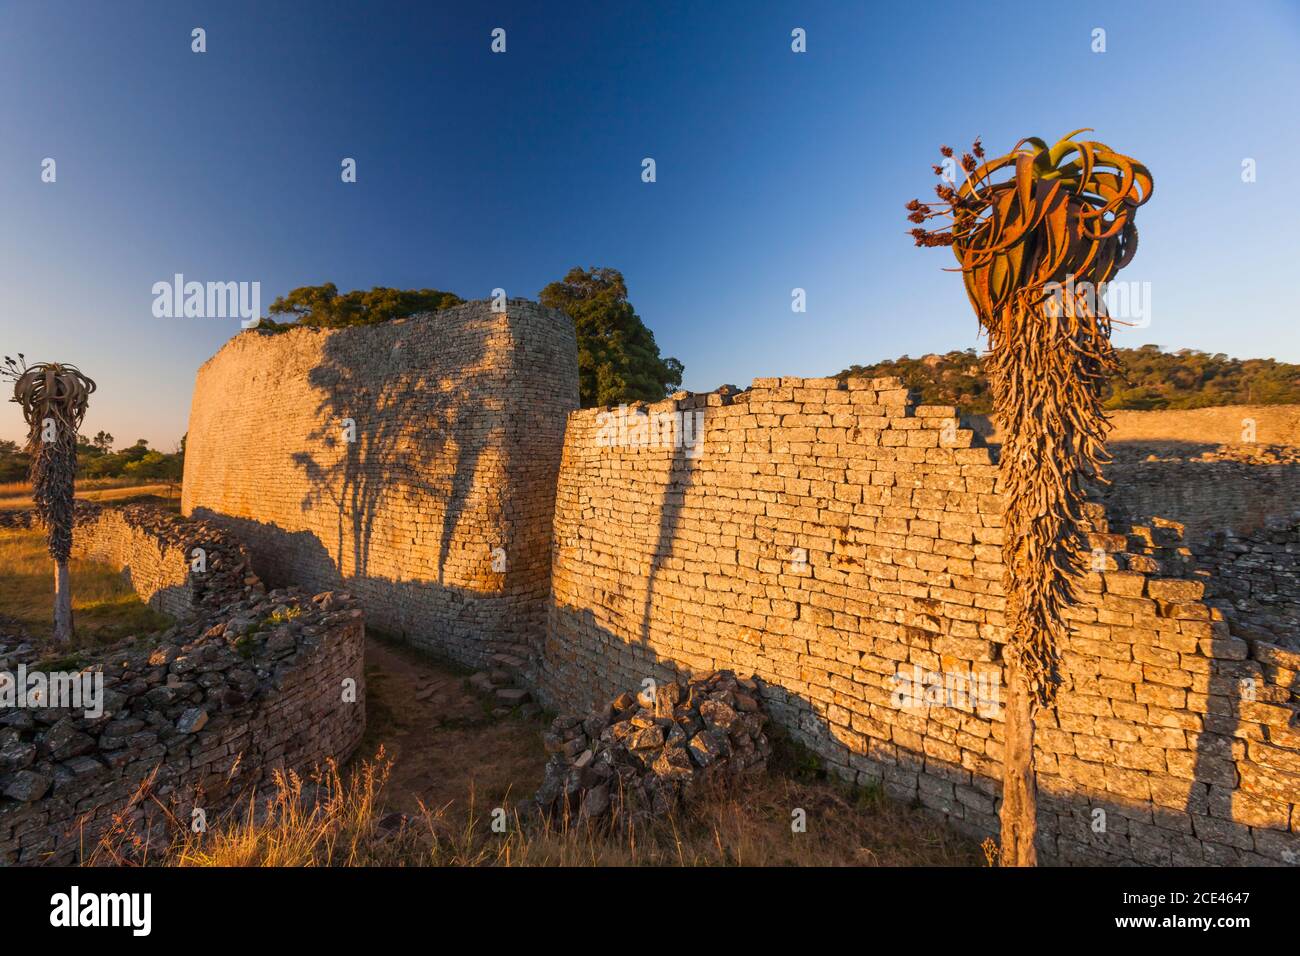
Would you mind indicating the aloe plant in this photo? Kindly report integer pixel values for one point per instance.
(54, 398)
(1037, 234)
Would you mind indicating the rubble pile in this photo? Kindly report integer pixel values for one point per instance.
(644, 755)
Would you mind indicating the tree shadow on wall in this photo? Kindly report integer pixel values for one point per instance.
(677, 481)
(414, 437)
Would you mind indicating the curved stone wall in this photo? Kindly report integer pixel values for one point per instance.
(412, 461)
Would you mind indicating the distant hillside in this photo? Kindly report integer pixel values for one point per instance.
(1150, 379)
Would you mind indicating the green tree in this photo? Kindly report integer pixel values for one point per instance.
(618, 360)
(14, 462)
(155, 465)
(323, 306)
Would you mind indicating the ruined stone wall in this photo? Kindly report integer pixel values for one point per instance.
(156, 552)
(458, 421)
(830, 538)
(1237, 489)
(1224, 469)
(249, 683)
(156, 564)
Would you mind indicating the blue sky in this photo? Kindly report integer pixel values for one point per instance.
(775, 170)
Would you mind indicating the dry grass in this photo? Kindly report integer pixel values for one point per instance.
(17, 495)
(104, 607)
(445, 771)
(337, 819)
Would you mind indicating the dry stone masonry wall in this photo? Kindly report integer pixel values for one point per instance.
(1211, 490)
(413, 462)
(247, 683)
(835, 540)
(842, 544)
(1227, 468)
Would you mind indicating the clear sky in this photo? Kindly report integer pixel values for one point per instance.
(476, 170)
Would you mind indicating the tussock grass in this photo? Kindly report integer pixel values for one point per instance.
(337, 819)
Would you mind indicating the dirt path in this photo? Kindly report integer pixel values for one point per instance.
(446, 747)
(448, 750)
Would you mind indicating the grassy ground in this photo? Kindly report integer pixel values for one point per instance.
(104, 607)
(17, 495)
(438, 770)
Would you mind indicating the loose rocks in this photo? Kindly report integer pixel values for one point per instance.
(646, 755)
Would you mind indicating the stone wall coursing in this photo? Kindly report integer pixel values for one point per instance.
(829, 537)
(1227, 468)
(1232, 488)
(1256, 581)
(249, 683)
(459, 422)
(155, 551)
(157, 569)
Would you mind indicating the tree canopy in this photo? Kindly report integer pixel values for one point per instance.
(323, 306)
(618, 359)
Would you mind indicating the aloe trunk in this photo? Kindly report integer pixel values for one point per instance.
(62, 603)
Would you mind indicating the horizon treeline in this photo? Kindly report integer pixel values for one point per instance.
(1149, 379)
(97, 459)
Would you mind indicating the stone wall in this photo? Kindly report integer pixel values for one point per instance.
(1256, 581)
(1223, 469)
(435, 507)
(1230, 488)
(831, 538)
(156, 553)
(249, 683)
(1181, 428)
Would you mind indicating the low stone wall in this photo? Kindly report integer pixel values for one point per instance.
(156, 564)
(249, 683)
(842, 544)
(156, 552)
